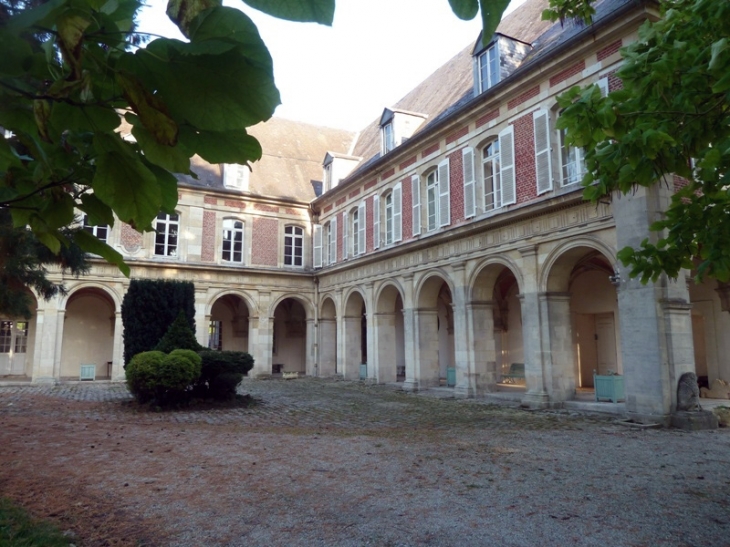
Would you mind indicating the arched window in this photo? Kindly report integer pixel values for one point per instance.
(167, 228)
(293, 246)
(232, 241)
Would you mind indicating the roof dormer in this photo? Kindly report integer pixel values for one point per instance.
(337, 167)
(397, 126)
(497, 60)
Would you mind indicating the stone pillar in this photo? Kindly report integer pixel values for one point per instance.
(202, 321)
(262, 337)
(559, 361)
(427, 348)
(352, 349)
(327, 347)
(372, 357)
(532, 333)
(309, 357)
(49, 321)
(117, 374)
(466, 380)
(480, 321)
(385, 347)
(409, 334)
(654, 319)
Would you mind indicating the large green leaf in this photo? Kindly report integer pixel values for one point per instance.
(124, 183)
(465, 9)
(183, 12)
(317, 11)
(172, 158)
(492, 11)
(151, 111)
(222, 146)
(16, 52)
(93, 245)
(168, 187)
(100, 214)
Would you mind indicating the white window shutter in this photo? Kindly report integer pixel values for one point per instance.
(416, 203)
(470, 196)
(361, 229)
(345, 230)
(317, 254)
(543, 165)
(507, 165)
(376, 221)
(333, 240)
(444, 194)
(397, 212)
(603, 86)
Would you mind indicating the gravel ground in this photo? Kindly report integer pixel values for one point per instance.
(322, 462)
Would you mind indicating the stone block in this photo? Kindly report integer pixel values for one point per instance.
(694, 421)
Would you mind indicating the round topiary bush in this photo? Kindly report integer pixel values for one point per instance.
(221, 373)
(164, 379)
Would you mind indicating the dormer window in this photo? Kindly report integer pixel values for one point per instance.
(327, 175)
(235, 176)
(488, 67)
(397, 126)
(388, 138)
(336, 167)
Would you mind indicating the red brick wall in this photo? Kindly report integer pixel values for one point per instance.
(609, 50)
(370, 184)
(210, 200)
(567, 73)
(354, 193)
(369, 213)
(407, 209)
(410, 161)
(208, 252)
(614, 82)
(266, 208)
(457, 134)
(430, 150)
(488, 117)
(131, 239)
(234, 203)
(525, 159)
(389, 173)
(265, 242)
(328, 208)
(456, 183)
(526, 96)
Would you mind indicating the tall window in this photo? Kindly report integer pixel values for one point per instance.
(388, 138)
(293, 246)
(6, 335)
(488, 66)
(432, 200)
(101, 232)
(355, 231)
(235, 176)
(389, 219)
(571, 162)
(327, 175)
(491, 174)
(232, 240)
(167, 230)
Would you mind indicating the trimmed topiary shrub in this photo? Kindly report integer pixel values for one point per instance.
(163, 379)
(179, 336)
(149, 308)
(221, 372)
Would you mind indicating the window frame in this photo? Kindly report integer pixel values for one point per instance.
(388, 136)
(168, 223)
(234, 230)
(95, 229)
(490, 51)
(432, 200)
(295, 238)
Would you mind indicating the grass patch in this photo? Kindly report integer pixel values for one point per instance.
(18, 529)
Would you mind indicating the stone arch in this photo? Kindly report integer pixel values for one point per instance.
(327, 365)
(305, 302)
(429, 286)
(89, 328)
(485, 275)
(434, 315)
(354, 323)
(110, 293)
(243, 295)
(552, 275)
(229, 321)
(390, 334)
(292, 319)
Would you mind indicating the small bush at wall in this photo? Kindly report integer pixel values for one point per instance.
(179, 336)
(221, 372)
(153, 376)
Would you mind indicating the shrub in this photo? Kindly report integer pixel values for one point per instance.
(149, 308)
(221, 372)
(164, 379)
(179, 336)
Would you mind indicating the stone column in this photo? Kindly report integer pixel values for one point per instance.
(466, 379)
(427, 348)
(261, 340)
(480, 320)
(117, 374)
(559, 361)
(202, 321)
(372, 357)
(327, 347)
(49, 320)
(385, 347)
(409, 334)
(351, 347)
(309, 362)
(532, 333)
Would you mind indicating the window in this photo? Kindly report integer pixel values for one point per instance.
(488, 67)
(166, 237)
(469, 182)
(394, 215)
(235, 176)
(329, 248)
(388, 137)
(438, 206)
(317, 246)
(543, 151)
(21, 336)
(571, 162)
(233, 240)
(498, 171)
(432, 202)
(327, 175)
(215, 335)
(376, 222)
(6, 335)
(100, 232)
(389, 219)
(293, 246)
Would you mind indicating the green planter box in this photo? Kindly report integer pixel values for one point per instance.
(450, 376)
(363, 371)
(609, 387)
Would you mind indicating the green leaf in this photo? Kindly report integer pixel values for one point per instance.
(16, 52)
(50, 240)
(168, 188)
(465, 9)
(93, 245)
(151, 111)
(172, 158)
(38, 16)
(8, 158)
(58, 212)
(124, 183)
(316, 11)
(183, 12)
(100, 213)
(92, 118)
(222, 146)
(492, 11)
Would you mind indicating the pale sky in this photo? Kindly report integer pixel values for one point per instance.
(343, 76)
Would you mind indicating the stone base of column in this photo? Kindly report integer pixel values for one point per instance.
(464, 392)
(537, 401)
(409, 385)
(45, 380)
(640, 418)
(694, 421)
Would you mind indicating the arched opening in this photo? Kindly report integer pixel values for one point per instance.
(328, 339)
(436, 359)
(229, 324)
(88, 334)
(17, 339)
(289, 337)
(355, 333)
(390, 336)
(579, 288)
(497, 321)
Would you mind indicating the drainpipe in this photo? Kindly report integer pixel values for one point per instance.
(316, 326)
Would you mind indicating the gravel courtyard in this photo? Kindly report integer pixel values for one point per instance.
(323, 462)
